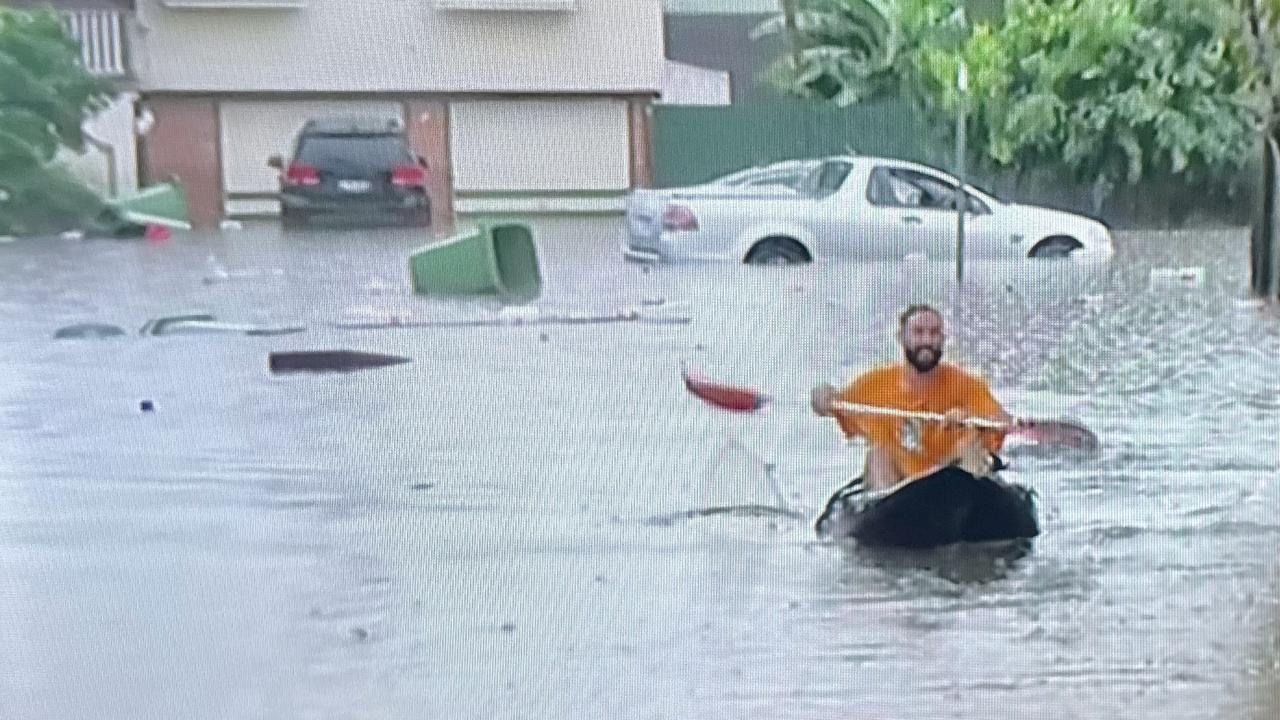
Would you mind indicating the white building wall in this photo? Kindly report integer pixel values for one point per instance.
(599, 46)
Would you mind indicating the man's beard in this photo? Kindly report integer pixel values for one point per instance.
(923, 364)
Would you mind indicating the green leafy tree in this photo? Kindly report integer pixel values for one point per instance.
(45, 96)
(1261, 24)
(1107, 91)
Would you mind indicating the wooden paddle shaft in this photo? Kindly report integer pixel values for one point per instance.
(849, 407)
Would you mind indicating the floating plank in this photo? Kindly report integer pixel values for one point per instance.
(88, 330)
(515, 321)
(315, 361)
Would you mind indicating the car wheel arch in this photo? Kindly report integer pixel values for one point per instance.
(779, 240)
(1056, 245)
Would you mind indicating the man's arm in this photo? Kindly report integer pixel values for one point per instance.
(979, 402)
(823, 399)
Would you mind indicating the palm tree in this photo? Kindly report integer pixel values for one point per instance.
(841, 50)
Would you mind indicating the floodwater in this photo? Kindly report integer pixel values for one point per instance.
(511, 525)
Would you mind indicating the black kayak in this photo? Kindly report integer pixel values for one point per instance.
(949, 506)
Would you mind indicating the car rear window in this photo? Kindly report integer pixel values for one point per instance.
(827, 178)
(354, 152)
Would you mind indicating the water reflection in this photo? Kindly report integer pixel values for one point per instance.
(440, 537)
(969, 564)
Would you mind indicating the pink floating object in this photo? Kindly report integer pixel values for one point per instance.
(158, 233)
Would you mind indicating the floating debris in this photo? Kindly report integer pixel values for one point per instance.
(314, 361)
(379, 285)
(88, 330)
(216, 272)
(205, 324)
(513, 317)
(1185, 277)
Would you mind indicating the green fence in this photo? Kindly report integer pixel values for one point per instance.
(693, 144)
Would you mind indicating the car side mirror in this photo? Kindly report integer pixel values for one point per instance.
(275, 161)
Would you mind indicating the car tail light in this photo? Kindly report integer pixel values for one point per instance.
(679, 217)
(300, 174)
(409, 176)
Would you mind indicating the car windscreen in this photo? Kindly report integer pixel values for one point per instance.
(354, 153)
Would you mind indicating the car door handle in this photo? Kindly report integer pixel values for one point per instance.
(911, 219)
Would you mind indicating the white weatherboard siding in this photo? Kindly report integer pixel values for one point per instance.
(539, 145)
(602, 46)
(684, 84)
(110, 162)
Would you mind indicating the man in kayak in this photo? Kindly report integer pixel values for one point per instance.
(908, 448)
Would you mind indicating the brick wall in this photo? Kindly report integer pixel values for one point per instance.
(428, 130)
(640, 123)
(184, 143)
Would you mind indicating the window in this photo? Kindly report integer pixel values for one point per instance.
(899, 187)
(789, 175)
(507, 4)
(788, 178)
(234, 4)
(101, 37)
(354, 153)
(828, 178)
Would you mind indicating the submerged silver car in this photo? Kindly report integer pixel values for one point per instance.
(846, 206)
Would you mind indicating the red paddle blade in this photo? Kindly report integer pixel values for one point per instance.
(725, 397)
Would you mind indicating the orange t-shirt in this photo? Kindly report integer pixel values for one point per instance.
(917, 445)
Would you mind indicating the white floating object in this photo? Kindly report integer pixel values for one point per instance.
(379, 313)
(520, 312)
(72, 235)
(6, 239)
(379, 285)
(231, 225)
(1188, 277)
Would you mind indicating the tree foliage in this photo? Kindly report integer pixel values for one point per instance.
(45, 96)
(1109, 91)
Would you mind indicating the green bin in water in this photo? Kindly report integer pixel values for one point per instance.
(162, 204)
(496, 259)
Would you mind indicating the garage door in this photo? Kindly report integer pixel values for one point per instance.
(539, 145)
(253, 131)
